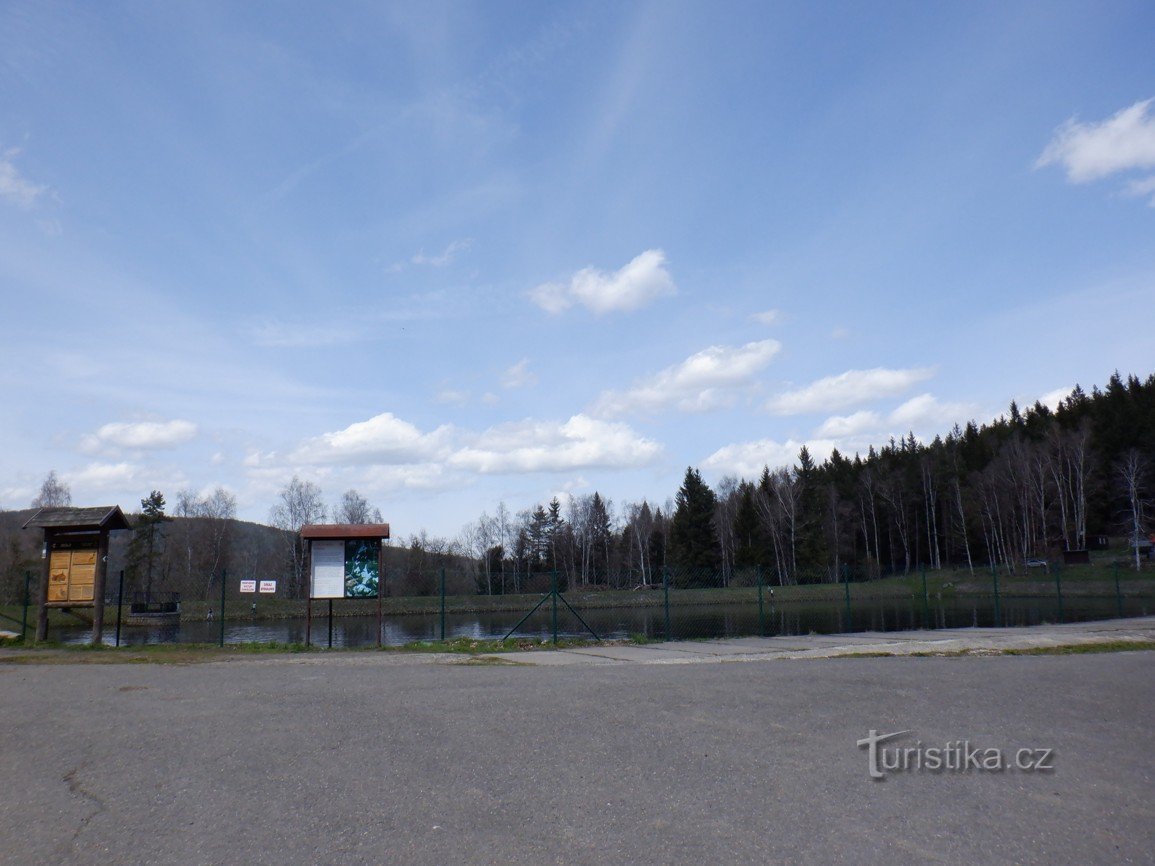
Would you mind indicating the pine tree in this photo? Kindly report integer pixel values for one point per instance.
(693, 539)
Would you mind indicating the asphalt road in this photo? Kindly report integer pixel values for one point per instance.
(376, 758)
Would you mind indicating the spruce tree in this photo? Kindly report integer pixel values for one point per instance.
(693, 538)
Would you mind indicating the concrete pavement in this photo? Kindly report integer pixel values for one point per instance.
(902, 643)
(371, 757)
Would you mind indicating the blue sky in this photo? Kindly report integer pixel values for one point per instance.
(451, 254)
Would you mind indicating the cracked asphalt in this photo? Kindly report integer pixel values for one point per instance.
(383, 758)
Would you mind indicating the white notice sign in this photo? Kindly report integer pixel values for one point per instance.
(328, 569)
(248, 586)
(268, 586)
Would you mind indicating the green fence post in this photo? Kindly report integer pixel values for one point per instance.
(27, 601)
(443, 604)
(1118, 591)
(925, 601)
(553, 592)
(119, 605)
(666, 591)
(1059, 590)
(761, 619)
(224, 583)
(849, 616)
(998, 605)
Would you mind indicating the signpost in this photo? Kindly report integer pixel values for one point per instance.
(344, 563)
(75, 561)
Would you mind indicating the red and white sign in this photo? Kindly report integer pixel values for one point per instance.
(268, 586)
(248, 586)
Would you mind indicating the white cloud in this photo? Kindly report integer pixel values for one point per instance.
(767, 317)
(548, 446)
(851, 388)
(640, 282)
(1142, 189)
(1052, 399)
(705, 380)
(843, 426)
(526, 446)
(925, 414)
(140, 435)
(14, 187)
(519, 375)
(748, 459)
(1090, 151)
(445, 257)
(104, 475)
(384, 438)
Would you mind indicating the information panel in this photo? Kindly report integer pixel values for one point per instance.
(328, 569)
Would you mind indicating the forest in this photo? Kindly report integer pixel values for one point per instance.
(1021, 489)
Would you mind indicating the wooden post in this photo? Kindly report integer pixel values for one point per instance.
(98, 589)
(42, 619)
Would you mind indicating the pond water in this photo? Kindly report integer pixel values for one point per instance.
(685, 622)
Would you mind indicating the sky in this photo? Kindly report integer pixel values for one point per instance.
(456, 254)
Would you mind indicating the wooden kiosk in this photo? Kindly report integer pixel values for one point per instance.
(344, 562)
(75, 560)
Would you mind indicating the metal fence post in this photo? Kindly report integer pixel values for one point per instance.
(119, 604)
(1059, 590)
(925, 601)
(27, 601)
(666, 592)
(761, 619)
(553, 593)
(224, 582)
(443, 604)
(849, 615)
(1118, 591)
(998, 605)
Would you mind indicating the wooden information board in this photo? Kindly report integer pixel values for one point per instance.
(71, 576)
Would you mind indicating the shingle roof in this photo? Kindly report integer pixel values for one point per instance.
(107, 517)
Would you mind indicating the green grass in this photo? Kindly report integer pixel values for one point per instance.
(1114, 646)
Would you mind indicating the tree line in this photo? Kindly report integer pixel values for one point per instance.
(1024, 487)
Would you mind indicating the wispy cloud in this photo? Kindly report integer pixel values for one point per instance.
(14, 187)
(706, 380)
(852, 388)
(767, 317)
(1090, 151)
(445, 257)
(642, 281)
(519, 375)
(140, 435)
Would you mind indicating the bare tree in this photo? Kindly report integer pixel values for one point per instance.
(300, 505)
(54, 493)
(1133, 469)
(355, 508)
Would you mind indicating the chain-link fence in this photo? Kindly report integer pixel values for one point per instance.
(422, 607)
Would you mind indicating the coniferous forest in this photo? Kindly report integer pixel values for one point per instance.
(1026, 487)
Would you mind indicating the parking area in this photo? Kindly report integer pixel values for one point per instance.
(372, 758)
